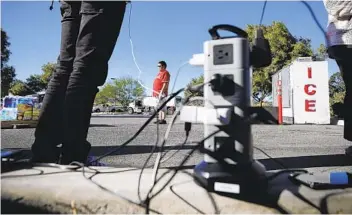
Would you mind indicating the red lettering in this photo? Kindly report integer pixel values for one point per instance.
(310, 92)
(309, 72)
(310, 105)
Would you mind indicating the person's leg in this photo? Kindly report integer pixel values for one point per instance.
(343, 55)
(99, 30)
(346, 69)
(162, 115)
(49, 128)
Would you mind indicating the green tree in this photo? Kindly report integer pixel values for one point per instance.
(36, 83)
(127, 89)
(5, 44)
(195, 81)
(8, 73)
(106, 94)
(336, 84)
(322, 51)
(284, 48)
(337, 92)
(47, 72)
(261, 87)
(20, 88)
(122, 90)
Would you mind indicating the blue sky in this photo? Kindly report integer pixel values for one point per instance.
(170, 31)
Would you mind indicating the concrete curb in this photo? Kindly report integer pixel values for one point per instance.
(56, 190)
(63, 191)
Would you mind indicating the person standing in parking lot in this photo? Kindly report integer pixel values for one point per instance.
(339, 42)
(161, 88)
(89, 31)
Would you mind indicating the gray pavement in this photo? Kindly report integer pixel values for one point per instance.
(298, 146)
(314, 147)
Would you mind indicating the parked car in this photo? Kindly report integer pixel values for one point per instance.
(107, 108)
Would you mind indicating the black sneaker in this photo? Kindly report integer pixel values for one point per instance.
(160, 122)
(79, 155)
(45, 155)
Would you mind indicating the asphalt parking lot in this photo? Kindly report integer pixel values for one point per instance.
(318, 147)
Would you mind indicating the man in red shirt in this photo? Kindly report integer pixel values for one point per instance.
(161, 87)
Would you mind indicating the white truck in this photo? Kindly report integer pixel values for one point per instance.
(149, 104)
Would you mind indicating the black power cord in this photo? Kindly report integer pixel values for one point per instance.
(305, 3)
(324, 202)
(193, 89)
(157, 164)
(263, 12)
(180, 146)
(148, 121)
(96, 172)
(74, 166)
(146, 203)
(199, 145)
(270, 157)
(285, 169)
(316, 20)
(183, 199)
(213, 202)
(188, 127)
(145, 164)
(141, 128)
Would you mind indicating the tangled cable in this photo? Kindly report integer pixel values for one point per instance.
(146, 202)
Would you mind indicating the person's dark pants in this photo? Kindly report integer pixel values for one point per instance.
(89, 32)
(343, 56)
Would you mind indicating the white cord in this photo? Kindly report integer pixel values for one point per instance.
(178, 71)
(156, 166)
(173, 120)
(132, 51)
(157, 161)
(135, 61)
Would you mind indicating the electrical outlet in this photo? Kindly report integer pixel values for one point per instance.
(223, 54)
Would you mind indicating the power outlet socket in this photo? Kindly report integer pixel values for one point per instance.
(223, 54)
